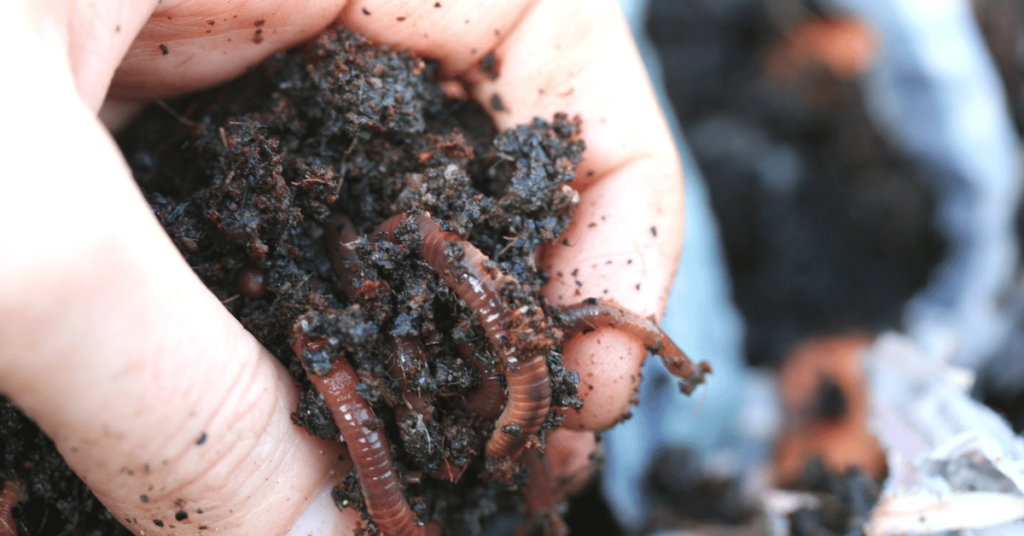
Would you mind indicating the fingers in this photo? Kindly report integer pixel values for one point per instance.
(627, 235)
(574, 459)
(189, 45)
(575, 57)
(155, 395)
(551, 56)
(622, 246)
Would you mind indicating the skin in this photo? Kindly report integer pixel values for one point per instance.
(115, 348)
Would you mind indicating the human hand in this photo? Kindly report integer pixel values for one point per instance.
(112, 344)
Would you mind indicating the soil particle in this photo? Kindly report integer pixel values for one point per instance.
(846, 501)
(489, 65)
(496, 103)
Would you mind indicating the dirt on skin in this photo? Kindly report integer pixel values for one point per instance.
(245, 179)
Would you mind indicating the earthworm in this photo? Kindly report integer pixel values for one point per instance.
(529, 384)
(406, 355)
(368, 447)
(539, 494)
(487, 400)
(339, 233)
(9, 497)
(592, 313)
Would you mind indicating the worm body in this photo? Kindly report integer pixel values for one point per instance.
(540, 496)
(406, 356)
(489, 398)
(370, 450)
(478, 283)
(339, 233)
(592, 314)
(529, 385)
(9, 497)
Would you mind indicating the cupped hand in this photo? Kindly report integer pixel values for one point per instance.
(154, 394)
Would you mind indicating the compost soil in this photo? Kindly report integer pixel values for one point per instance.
(244, 178)
(825, 227)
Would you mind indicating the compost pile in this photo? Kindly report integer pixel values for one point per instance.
(826, 227)
(245, 180)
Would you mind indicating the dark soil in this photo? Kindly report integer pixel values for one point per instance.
(243, 178)
(1002, 25)
(245, 182)
(845, 502)
(825, 227)
(56, 501)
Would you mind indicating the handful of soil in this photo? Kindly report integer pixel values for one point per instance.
(380, 239)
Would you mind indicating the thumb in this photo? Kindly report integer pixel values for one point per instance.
(157, 398)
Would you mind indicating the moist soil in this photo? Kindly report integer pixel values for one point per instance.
(825, 227)
(244, 178)
(244, 184)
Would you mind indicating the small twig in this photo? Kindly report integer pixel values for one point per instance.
(176, 115)
(231, 299)
(341, 167)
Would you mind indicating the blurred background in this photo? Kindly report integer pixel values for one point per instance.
(853, 173)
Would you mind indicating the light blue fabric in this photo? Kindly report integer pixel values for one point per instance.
(935, 92)
(701, 318)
